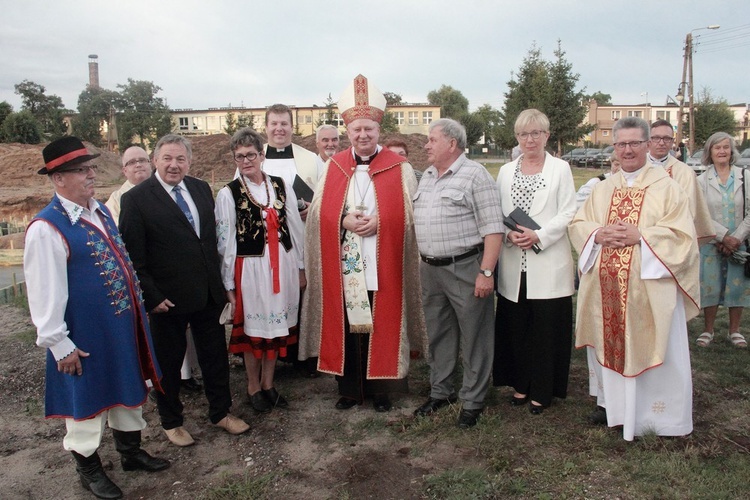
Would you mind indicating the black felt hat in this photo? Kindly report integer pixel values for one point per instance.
(62, 153)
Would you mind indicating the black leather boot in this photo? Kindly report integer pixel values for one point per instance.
(132, 456)
(93, 477)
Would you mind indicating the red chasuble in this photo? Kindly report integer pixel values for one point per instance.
(387, 306)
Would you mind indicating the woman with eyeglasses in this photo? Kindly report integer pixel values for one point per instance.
(723, 282)
(260, 239)
(534, 320)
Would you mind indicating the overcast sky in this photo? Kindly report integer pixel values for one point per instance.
(214, 53)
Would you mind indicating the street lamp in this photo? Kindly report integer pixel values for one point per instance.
(688, 63)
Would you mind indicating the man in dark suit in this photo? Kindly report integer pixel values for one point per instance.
(168, 226)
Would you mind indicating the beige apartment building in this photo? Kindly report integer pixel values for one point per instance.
(604, 117)
(411, 118)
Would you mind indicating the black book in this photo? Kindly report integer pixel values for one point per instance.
(520, 218)
(302, 190)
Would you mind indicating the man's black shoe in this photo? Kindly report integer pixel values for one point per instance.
(598, 416)
(132, 457)
(381, 403)
(345, 403)
(93, 477)
(433, 404)
(468, 418)
(191, 385)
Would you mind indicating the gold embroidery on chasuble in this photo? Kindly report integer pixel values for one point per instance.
(614, 273)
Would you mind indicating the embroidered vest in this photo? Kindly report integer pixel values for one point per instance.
(105, 317)
(251, 232)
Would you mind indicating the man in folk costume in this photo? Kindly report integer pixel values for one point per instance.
(638, 259)
(87, 306)
(662, 138)
(362, 310)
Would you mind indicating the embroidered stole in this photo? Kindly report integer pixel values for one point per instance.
(614, 275)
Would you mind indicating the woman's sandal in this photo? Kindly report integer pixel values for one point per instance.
(704, 339)
(737, 339)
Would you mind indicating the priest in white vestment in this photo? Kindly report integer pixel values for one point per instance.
(638, 260)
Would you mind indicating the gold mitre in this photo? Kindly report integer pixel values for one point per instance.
(361, 99)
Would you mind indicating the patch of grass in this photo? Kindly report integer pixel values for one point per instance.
(461, 483)
(34, 407)
(241, 488)
(27, 336)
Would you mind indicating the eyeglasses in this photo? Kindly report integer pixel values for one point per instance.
(137, 161)
(83, 169)
(535, 134)
(250, 157)
(633, 145)
(665, 140)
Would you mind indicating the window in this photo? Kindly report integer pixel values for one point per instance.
(637, 114)
(426, 117)
(663, 115)
(605, 133)
(616, 114)
(197, 123)
(212, 123)
(306, 119)
(413, 118)
(399, 115)
(184, 123)
(337, 120)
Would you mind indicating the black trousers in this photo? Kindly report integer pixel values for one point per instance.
(354, 384)
(532, 345)
(168, 332)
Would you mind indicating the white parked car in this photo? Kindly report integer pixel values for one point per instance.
(694, 162)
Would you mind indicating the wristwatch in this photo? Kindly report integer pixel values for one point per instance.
(486, 272)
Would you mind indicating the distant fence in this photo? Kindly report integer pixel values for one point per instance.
(13, 226)
(9, 293)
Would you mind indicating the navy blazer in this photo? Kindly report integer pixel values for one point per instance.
(172, 262)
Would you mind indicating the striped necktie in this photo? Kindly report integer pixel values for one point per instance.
(183, 205)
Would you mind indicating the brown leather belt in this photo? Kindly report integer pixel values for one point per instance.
(444, 261)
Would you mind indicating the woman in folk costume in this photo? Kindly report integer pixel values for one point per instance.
(259, 233)
(363, 309)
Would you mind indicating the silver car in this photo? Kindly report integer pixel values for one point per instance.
(694, 162)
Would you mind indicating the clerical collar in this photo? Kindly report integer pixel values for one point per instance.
(365, 160)
(661, 162)
(274, 153)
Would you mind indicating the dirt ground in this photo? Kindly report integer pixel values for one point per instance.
(320, 452)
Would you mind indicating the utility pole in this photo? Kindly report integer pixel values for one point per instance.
(681, 89)
(687, 67)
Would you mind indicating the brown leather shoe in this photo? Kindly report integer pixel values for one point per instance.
(233, 425)
(179, 436)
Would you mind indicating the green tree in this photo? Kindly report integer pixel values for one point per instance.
(21, 127)
(389, 123)
(452, 102)
(566, 107)
(5, 110)
(328, 118)
(600, 97)
(392, 98)
(47, 109)
(489, 118)
(245, 120)
(711, 114)
(142, 115)
(231, 120)
(95, 106)
(551, 88)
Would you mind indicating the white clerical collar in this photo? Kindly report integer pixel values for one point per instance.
(661, 162)
(366, 158)
(630, 177)
(74, 211)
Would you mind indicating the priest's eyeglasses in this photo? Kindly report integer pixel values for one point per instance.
(620, 146)
(250, 157)
(137, 161)
(666, 140)
(534, 134)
